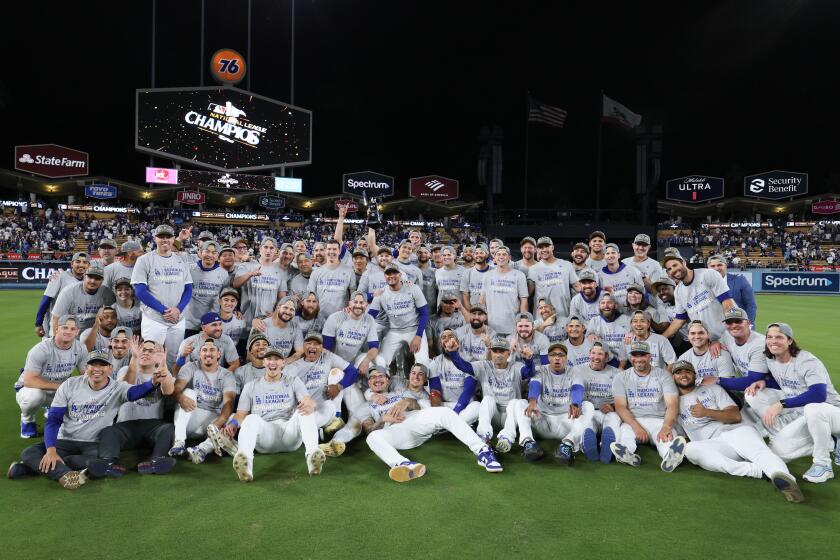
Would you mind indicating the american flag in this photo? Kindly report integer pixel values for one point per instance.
(546, 114)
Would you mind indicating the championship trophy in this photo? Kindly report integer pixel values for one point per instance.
(372, 216)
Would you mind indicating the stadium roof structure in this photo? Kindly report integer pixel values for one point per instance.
(742, 205)
(13, 181)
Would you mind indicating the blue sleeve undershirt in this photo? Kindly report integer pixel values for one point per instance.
(816, 393)
(466, 395)
(43, 307)
(460, 363)
(54, 419)
(741, 383)
(142, 293)
(185, 297)
(424, 319)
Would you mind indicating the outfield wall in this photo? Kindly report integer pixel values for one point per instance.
(35, 274)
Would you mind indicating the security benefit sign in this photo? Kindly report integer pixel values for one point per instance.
(813, 282)
(367, 184)
(433, 188)
(272, 202)
(222, 128)
(694, 188)
(101, 192)
(775, 185)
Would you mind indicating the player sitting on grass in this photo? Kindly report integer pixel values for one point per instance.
(597, 378)
(400, 423)
(555, 409)
(275, 414)
(83, 406)
(205, 392)
(501, 385)
(646, 400)
(720, 442)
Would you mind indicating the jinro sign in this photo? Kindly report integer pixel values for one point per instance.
(51, 160)
(433, 188)
(191, 197)
(826, 207)
(694, 188)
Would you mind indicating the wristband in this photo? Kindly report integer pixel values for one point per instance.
(181, 361)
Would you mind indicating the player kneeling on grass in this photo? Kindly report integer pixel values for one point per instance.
(797, 403)
(205, 392)
(597, 378)
(399, 423)
(276, 414)
(501, 385)
(646, 399)
(554, 409)
(83, 406)
(720, 442)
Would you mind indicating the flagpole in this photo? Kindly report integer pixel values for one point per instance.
(527, 135)
(598, 172)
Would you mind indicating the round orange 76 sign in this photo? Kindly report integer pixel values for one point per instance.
(227, 66)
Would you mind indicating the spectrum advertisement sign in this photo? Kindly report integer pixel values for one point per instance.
(805, 282)
(222, 128)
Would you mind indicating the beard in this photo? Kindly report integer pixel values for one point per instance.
(476, 324)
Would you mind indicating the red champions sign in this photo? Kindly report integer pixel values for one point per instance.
(433, 188)
(826, 207)
(352, 205)
(51, 160)
(191, 197)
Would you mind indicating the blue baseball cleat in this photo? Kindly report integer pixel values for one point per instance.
(676, 452)
(487, 459)
(101, 468)
(531, 451)
(157, 465)
(590, 445)
(196, 455)
(407, 470)
(28, 430)
(787, 485)
(565, 454)
(607, 439)
(18, 470)
(178, 449)
(624, 455)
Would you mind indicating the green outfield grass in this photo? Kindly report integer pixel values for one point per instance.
(457, 510)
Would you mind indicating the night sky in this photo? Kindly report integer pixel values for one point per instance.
(403, 88)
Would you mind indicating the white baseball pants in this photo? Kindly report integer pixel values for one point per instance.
(739, 452)
(393, 341)
(171, 335)
(652, 426)
(789, 435)
(491, 415)
(30, 400)
(823, 421)
(601, 420)
(278, 436)
(468, 414)
(416, 429)
(553, 426)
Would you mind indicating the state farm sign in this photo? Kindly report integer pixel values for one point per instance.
(191, 197)
(433, 188)
(51, 160)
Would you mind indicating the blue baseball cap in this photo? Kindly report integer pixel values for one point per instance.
(210, 317)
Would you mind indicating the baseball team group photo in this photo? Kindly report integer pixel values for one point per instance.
(557, 312)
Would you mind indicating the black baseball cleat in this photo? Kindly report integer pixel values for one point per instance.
(564, 454)
(531, 451)
(156, 465)
(101, 468)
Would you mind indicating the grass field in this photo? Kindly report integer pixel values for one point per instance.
(353, 510)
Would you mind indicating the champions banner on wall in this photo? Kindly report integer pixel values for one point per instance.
(29, 273)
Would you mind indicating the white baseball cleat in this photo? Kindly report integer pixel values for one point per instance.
(624, 455)
(333, 448)
(221, 441)
(409, 470)
(503, 444)
(676, 452)
(243, 467)
(819, 473)
(315, 462)
(335, 424)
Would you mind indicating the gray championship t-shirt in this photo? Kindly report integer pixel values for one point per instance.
(710, 396)
(289, 338)
(165, 278)
(260, 293)
(451, 378)
(88, 411)
(52, 363)
(75, 300)
(645, 394)
(502, 294)
(555, 283)
(800, 372)
(207, 283)
(352, 336)
(209, 387)
(333, 287)
(502, 384)
(699, 300)
(706, 366)
(315, 374)
(224, 342)
(597, 385)
(272, 400)
(149, 407)
(555, 389)
(400, 306)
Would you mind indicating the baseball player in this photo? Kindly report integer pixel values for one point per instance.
(649, 267)
(163, 283)
(254, 368)
(472, 281)
(579, 256)
(666, 309)
(126, 305)
(281, 331)
(610, 327)
(130, 251)
(332, 282)
(353, 335)
(501, 385)
(528, 249)
(405, 262)
(700, 294)
(82, 407)
(141, 421)
(615, 276)
(474, 338)
(797, 402)
(596, 260)
(232, 324)
(48, 364)
(448, 278)
(98, 336)
(275, 414)
(554, 409)
(83, 299)
(647, 402)
(400, 423)
(504, 293)
(720, 442)
(449, 316)
(578, 344)
(211, 329)
(107, 253)
(449, 386)
(552, 279)
(407, 313)
(261, 283)
(700, 356)
(299, 283)
(424, 265)
(662, 354)
(208, 281)
(73, 275)
(205, 393)
(739, 286)
(597, 376)
(309, 315)
(527, 335)
(585, 304)
(315, 369)
(120, 348)
(549, 324)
